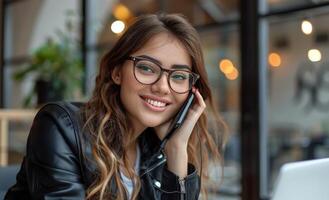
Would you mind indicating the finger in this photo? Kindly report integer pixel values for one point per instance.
(198, 106)
(193, 89)
(200, 99)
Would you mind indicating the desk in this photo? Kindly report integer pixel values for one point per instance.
(7, 115)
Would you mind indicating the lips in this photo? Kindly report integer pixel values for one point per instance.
(155, 98)
(155, 103)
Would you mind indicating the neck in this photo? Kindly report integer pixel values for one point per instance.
(136, 130)
(131, 154)
(131, 140)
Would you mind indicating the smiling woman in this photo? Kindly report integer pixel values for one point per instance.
(109, 147)
(136, 83)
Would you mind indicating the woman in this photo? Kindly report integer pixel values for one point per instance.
(109, 147)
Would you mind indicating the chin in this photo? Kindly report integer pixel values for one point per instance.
(153, 122)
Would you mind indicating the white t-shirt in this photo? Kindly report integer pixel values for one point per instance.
(128, 183)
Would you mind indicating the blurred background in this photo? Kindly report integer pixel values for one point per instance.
(267, 62)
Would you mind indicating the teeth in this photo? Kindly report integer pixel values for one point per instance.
(156, 103)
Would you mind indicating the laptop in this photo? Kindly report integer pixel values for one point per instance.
(303, 180)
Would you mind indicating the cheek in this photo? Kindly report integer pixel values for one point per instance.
(179, 101)
(181, 98)
(128, 82)
(129, 89)
(126, 87)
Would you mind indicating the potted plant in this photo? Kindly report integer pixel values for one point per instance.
(57, 69)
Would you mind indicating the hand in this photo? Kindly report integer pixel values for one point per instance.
(176, 147)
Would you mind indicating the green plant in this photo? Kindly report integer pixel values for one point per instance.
(57, 62)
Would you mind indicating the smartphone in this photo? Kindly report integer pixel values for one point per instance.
(180, 117)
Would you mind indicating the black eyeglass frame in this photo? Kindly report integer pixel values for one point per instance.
(135, 59)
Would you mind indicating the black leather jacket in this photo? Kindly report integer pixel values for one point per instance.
(58, 162)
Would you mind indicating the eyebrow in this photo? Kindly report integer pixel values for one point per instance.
(175, 66)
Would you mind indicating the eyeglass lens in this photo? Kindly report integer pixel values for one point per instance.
(148, 72)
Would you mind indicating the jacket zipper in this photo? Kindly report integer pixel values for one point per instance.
(154, 166)
(182, 188)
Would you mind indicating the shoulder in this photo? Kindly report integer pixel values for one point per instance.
(52, 165)
(62, 114)
(55, 130)
(61, 109)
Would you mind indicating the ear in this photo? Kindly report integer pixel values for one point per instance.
(116, 75)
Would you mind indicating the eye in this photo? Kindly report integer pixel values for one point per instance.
(145, 68)
(179, 76)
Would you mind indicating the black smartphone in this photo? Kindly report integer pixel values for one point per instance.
(180, 117)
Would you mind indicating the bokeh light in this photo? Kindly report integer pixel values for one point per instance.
(117, 26)
(121, 12)
(233, 75)
(274, 59)
(314, 55)
(226, 66)
(307, 27)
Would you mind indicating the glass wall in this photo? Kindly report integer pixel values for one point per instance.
(221, 50)
(298, 88)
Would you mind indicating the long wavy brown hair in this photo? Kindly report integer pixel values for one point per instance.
(106, 122)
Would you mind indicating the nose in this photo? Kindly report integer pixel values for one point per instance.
(161, 86)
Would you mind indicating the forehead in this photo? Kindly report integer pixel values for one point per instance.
(167, 49)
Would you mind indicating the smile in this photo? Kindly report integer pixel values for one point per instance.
(156, 103)
(157, 106)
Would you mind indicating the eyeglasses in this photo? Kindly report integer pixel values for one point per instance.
(147, 72)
